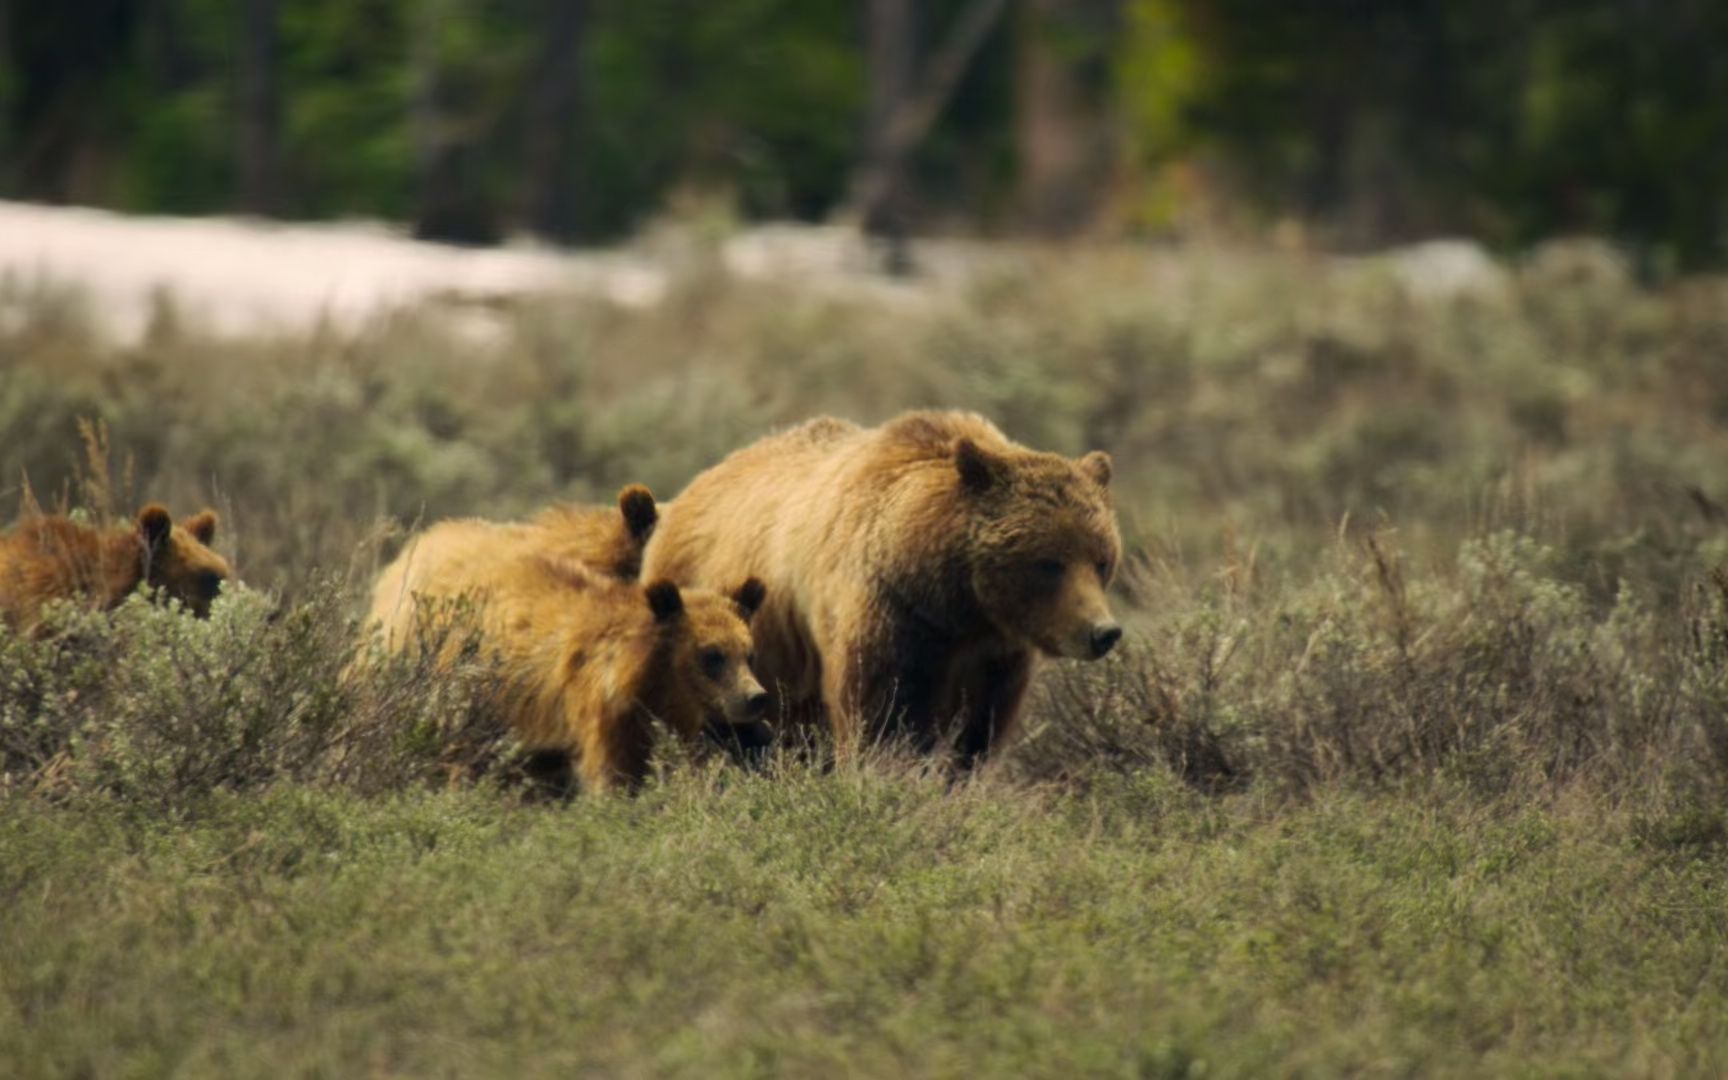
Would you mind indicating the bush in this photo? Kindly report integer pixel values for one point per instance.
(152, 706)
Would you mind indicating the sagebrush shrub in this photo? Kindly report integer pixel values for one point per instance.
(151, 705)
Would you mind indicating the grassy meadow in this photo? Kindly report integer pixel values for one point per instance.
(1415, 760)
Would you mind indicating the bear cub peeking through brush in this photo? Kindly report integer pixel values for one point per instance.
(914, 571)
(587, 664)
(55, 558)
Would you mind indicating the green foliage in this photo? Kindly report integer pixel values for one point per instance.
(154, 708)
(1509, 122)
(761, 98)
(872, 922)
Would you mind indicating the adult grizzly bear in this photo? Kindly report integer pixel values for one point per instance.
(55, 558)
(587, 664)
(914, 570)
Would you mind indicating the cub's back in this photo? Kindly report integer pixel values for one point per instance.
(50, 558)
(452, 559)
(609, 539)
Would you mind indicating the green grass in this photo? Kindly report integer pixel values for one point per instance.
(1414, 761)
(870, 922)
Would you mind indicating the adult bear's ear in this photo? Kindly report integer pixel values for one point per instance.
(1098, 466)
(665, 600)
(979, 469)
(636, 503)
(202, 526)
(750, 596)
(154, 526)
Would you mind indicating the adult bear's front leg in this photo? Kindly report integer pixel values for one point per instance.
(987, 703)
(881, 683)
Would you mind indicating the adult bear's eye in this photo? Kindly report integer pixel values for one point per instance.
(1103, 570)
(1048, 569)
(713, 663)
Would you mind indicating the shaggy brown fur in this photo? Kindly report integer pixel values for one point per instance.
(588, 664)
(54, 558)
(914, 571)
(608, 540)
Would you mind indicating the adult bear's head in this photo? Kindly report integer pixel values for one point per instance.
(1043, 545)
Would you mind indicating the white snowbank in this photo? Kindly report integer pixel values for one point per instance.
(239, 276)
(1443, 270)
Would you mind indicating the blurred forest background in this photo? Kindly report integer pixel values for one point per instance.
(1347, 122)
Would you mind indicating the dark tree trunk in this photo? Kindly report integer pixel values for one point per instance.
(908, 109)
(452, 204)
(260, 108)
(63, 57)
(8, 106)
(891, 55)
(554, 121)
(168, 60)
(1061, 125)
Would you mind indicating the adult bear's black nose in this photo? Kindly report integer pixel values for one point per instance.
(757, 704)
(1104, 638)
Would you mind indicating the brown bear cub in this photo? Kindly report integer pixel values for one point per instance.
(587, 664)
(914, 570)
(55, 558)
(608, 540)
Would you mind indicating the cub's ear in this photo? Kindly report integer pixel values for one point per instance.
(750, 596)
(154, 525)
(665, 600)
(979, 469)
(202, 526)
(1098, 466)
(636, 503)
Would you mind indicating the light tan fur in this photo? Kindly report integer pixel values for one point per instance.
(587, 664)
(55, 558)
(914, 570)
(609, 539)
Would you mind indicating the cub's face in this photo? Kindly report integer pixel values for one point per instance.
(709, 651)
(1043, 547)
(180, 561)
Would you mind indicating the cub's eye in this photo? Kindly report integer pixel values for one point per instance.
(1048, 569)
(750, 661)
(713, 663)
(1103, 569)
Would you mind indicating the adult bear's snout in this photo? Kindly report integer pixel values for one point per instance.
(1105, 635)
